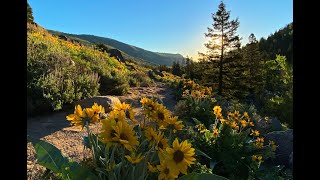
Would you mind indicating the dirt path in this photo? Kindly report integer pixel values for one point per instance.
(55, 128)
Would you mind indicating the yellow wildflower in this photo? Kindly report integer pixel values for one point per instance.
(273, 145)
(257, 158)
(234, 125)
(217, 110)
(215, 132)
(152, 168)
(259, 142)
(243, 123)
(97, 109)
(245, 114)
(125, 135)
(201, 128)
(133, 158)
(180, 156)
(117, 116)
(161, 141)
(77, 118)
(222, 120)
(255, 133)
(150, 133)
(166, 172)
(236, 115)
(107, 132)
(121, 106)
(161, 114)
(173, 123)
(92, 115)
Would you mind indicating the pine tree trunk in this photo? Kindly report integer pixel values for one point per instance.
(220, 68)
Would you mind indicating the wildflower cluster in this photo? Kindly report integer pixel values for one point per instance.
(230, 134)
(82, 117)
(234, 120)
(144, 148)
(190, 88)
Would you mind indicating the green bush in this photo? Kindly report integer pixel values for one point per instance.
(277, 97)
(139, 78)
(60, 88)
(114, 83)
(199, 108)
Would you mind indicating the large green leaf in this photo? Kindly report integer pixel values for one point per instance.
(50, 157)
(79, 172)
(201, 176)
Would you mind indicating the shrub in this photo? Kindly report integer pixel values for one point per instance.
(237, 151)
(190, 108)
(115, 83)
(59, 88)
(139, 78)
(277, 96)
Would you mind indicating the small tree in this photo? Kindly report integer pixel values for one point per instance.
(176, 69)
(189, 68)
(29, 13)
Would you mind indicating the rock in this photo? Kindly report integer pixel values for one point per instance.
(117, 54)
(63, 37)
(291, 161)
(29, 106)
(144, 84)
(266, 125)
(284, 141)
(108, 102)
(276, 125)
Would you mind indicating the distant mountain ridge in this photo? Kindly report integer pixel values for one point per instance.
(158, 58)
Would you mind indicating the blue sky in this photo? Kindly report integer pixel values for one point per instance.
(172, 26)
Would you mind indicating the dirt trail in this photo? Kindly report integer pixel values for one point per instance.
(56, 129)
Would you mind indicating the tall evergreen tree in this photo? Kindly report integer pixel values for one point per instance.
(254, 62)
(223, 39)
(29, 13)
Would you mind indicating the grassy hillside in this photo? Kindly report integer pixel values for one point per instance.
(60, 72)
(136, 52)
(90, 44)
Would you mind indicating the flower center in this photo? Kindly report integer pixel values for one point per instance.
(124, 137)
(161, 116)
(102, 115)
(128, 114)
(166, 171)
(113, 133)
(150, 106)
(178, 156)
(160, 145)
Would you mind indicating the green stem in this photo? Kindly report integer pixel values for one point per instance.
(133, 173)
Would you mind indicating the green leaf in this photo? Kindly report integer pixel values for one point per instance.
(48, 155)
(79, 172)
(201, 176)
(199, 152)
(213, 164)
